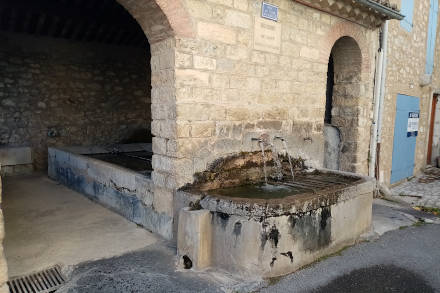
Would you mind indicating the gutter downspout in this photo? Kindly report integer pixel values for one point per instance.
(379, 87)
(383, 81)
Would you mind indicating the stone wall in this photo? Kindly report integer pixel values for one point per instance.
(231, 85)
(345, 101)
(56, 92)
(3, 266)
(436, 136)
(406, 65)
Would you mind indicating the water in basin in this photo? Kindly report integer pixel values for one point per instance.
(261, 190)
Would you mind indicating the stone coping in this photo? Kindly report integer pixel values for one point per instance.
(88, 150)
(81, 153)
(295, 204)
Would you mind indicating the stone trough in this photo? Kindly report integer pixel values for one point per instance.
(239, 224)
(118, 177)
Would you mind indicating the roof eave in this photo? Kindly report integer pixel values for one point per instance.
(390, 13)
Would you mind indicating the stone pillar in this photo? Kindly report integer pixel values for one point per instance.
(163, 127)
(194, 239)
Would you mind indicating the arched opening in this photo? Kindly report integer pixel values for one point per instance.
(74, 75)
(341, 111)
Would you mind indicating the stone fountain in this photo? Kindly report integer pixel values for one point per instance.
(265, 213)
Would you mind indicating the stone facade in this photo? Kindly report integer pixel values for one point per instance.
(220, 76)
(3, 266)
(229, 88)
(436, 136)
(56, 93)
(406, 66)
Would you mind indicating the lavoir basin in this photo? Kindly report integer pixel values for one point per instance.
(244, 225)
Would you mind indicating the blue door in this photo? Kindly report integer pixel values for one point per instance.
(405, 136)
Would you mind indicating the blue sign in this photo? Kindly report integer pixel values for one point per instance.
(269, 11)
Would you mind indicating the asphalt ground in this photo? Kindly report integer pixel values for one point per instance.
(403, 260)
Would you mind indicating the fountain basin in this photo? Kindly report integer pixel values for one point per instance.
(253, 233)
(117, 177)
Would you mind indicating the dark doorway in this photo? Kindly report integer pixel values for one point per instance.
(329, 91)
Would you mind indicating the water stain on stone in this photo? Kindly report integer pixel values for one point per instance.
(223, 218)
(237, 229)
(313, 229)
(325, 215)
(292, 222)
(274, 236)
(288, 254)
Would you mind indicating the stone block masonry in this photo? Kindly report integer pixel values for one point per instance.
(405, 67)
(242, 76)
(55, 92)
(3, 266)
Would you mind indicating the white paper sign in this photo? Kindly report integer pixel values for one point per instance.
(413, 123)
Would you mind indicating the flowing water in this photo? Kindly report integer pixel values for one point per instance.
(264, 161)
(278, 165)
(288, 156)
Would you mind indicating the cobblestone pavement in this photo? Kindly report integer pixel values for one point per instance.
(423, 190)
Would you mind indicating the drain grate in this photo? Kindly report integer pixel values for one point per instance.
(45, 281)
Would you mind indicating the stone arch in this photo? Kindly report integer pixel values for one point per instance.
(162, 22)
(350, 73)
(160, 19)
(346, 29)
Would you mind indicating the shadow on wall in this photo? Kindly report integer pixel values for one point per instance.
(60, 92)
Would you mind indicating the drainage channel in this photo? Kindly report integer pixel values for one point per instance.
(45, 281)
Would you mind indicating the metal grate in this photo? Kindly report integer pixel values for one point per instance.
(45, 281)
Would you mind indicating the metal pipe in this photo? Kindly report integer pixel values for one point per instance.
(383, 81)
(376, 104)
(379, 87)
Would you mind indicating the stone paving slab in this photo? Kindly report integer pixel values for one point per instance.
(423, 190)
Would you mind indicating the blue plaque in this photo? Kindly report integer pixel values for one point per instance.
(269, 11)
